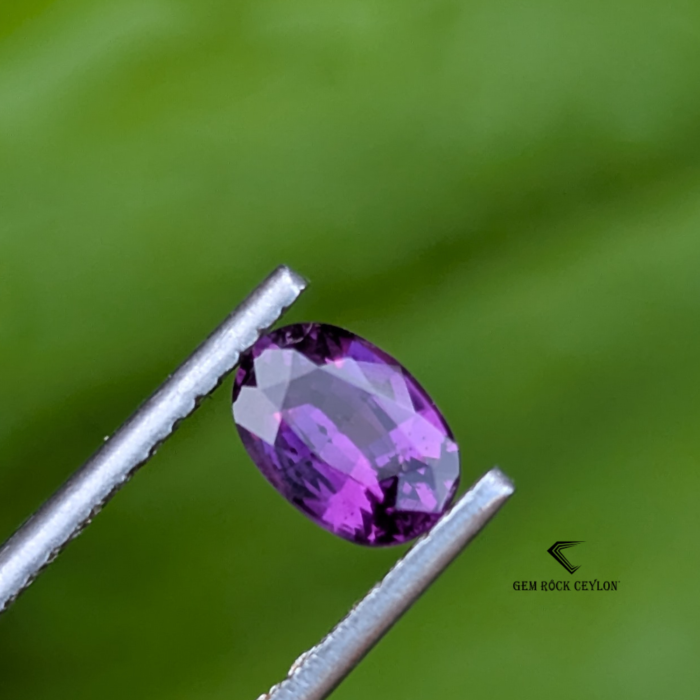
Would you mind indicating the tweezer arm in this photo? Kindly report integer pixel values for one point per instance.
(71, 509)
(317, 672)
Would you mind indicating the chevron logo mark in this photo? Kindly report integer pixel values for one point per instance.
(556, 551)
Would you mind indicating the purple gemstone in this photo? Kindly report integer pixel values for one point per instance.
(345, 434)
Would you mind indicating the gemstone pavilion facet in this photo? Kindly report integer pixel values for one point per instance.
(345, 434)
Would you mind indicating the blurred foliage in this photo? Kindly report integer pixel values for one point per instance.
(504, 195)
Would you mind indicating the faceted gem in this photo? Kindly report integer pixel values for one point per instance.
(345, 434)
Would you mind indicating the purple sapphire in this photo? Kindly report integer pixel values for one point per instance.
(345, 434)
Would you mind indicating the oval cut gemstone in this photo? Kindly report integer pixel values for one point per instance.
(345, 433)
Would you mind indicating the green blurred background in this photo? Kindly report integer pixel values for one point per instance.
(504, 195)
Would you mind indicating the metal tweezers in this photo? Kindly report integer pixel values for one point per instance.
(318, 671)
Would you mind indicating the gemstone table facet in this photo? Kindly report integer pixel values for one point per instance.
(345, 434)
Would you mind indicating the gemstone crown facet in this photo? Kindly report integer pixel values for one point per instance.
(345, 434)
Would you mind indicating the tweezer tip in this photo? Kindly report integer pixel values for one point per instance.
(294, 279)
(501, 481)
